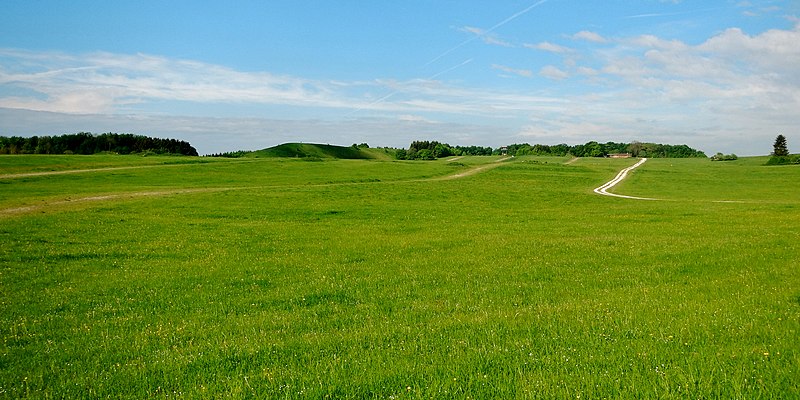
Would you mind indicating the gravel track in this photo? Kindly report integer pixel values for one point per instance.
(603, 190)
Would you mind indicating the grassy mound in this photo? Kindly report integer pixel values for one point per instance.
(311, 150)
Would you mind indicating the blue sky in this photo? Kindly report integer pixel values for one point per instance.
(718, 75)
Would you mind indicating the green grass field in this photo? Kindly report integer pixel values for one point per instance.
(158, 277)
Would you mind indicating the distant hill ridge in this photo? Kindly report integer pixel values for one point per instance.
(304, 150)
(313, 151)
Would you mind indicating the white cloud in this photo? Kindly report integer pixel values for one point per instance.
(550, 47)
(520, 72)
(104, 82)
(414, 118)
(587, 71)
(775, 50)
(733, 87)
(487, 37)
(732, 93)
(571, 132)
(552, 72)
(728, 64)
(494, 40)
(655, 42)
(473, 30)
(589, 36)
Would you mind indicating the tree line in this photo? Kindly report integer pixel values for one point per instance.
(230, 154)
(87, 143)
(429, 150)
(595, 149)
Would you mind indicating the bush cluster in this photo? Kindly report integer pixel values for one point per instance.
(724, 157)
(784, 160)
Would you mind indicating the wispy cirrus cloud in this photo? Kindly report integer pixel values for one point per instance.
(553, 72)
(486, 36)
(106, 83)
(726, 92)
(549, 47)
(481, 33)
(590, 37)
(515, 71)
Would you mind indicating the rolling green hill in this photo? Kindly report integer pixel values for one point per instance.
(312, 150)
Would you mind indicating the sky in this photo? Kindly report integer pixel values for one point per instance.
(718, 75)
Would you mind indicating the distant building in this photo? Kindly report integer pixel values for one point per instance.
(621, 155)
(504, 151)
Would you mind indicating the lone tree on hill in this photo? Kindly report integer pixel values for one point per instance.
(780, 149)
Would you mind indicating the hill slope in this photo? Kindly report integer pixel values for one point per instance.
(311, 150)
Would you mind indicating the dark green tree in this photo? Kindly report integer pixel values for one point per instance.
(779, 148)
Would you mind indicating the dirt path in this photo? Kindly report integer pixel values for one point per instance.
(102, 169)
(603, 190)
(473, 171)
(116, 196)
(79, 171)
(130, 195)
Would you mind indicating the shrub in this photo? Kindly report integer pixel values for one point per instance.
(784, 160)
(724, 157)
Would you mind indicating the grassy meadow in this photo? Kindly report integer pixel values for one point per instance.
(159, 277)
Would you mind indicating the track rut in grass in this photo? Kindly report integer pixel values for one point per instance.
(130, 195)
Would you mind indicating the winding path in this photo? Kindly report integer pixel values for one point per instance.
(129, 195)
(103, 169)
(472, 171)
(603, 190)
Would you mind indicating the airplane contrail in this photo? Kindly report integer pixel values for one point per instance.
(482, 34)
(488, 31)
(434, 76)
(517, 15)
(671, 14)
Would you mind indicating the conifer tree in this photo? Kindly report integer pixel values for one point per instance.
(780, 149)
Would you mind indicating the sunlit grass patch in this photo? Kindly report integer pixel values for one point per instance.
(310, 280)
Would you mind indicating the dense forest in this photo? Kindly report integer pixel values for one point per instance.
(87, 143)
(429, 150)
